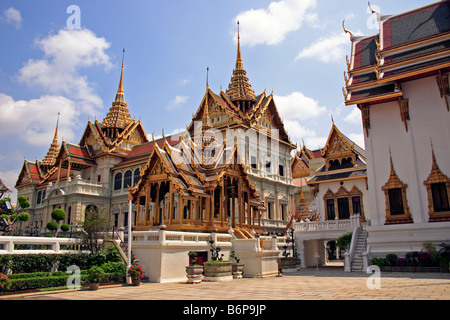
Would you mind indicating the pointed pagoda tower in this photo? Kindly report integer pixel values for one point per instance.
(118, 116)
(239, 90)
(50, 157)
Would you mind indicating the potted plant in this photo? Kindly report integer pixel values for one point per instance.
(237, 268)
(217, 269)
(136, 273)
(95, 276)
(193, 270)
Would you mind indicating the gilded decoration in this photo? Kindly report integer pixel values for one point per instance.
(437, 177)
(365, 115)
(337, 148)
(404, 111)
(442, 82)
(399, 189)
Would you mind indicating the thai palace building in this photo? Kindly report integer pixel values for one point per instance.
(399, 79)
(256, 192)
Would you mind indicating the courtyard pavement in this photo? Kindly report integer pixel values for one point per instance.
(327, 283)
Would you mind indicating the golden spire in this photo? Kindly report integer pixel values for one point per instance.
(52, 153)
(205, 110)
(118, 116)
(239, 63)
(120, 95)
(239, 89)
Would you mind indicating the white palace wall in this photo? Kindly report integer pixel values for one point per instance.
(412, 159)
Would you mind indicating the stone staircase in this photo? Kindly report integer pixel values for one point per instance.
(360, 247)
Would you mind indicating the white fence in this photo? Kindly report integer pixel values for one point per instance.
(27, 245)
(345, 224)
(163, 236)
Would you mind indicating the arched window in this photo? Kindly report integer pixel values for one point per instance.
(39, 195)
(137, 176)
(91, 208)
(127, 179)
(118, 181)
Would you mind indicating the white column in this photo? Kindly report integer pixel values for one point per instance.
(130, 213)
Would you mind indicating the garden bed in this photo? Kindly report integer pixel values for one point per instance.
(414, 269)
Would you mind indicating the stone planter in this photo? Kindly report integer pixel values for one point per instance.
(218, 271)
(194, 274)
(93, 285)
(288, 264)
(136, 282)
(238, 270)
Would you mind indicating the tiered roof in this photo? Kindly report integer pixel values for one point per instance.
(344, 159)
(190, 174)
(50, 157)
(118, 116)
(409, 45)
(239, 88)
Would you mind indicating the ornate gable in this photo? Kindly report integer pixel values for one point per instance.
(338, 147)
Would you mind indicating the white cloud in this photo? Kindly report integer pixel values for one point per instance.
(354, 116)
(296, 131)
(314, 143)
(270, 25)
(34, 121)
(13, 16)
(57, 73)
(176, 102)
(298, 106)
(329, 49)
(357, 138)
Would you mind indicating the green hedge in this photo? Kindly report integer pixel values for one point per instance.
(40, 282)
(114, 272)
(30, 263)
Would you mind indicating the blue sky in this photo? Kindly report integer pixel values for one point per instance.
(293, 48)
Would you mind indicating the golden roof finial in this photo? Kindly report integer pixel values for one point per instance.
(239, 58)
(346, 31)
(120, 90)
(56, 130)
(207, 72)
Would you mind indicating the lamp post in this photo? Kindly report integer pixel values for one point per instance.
(129, 240)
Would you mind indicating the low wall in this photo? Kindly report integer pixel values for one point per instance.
(259, 256)
(164, 254)
(403, 238)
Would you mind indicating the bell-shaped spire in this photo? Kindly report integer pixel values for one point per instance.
(118, 115)
(50, 157)
(239, 90)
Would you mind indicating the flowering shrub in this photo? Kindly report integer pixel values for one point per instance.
(136, 272)
(5, 283)
(401, 262)
(424, 259)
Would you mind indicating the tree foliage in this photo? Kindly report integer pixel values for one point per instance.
(95, 226)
